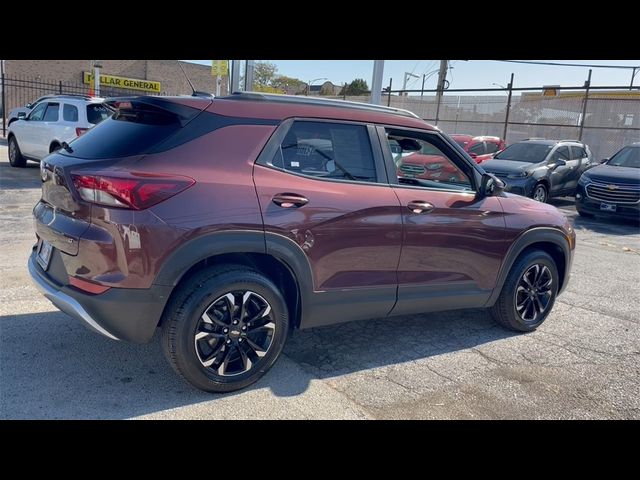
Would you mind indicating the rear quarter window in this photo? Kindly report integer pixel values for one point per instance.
(97, 112)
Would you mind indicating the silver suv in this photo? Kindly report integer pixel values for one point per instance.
(51, 125)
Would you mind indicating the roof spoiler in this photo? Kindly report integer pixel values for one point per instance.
(184, 113)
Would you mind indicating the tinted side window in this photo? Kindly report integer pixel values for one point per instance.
(492, 147)
(69, 113)
(562, 153)
(97, 113)
(51, 114)
(327, 150)
(37, 113)
(422, 163)
(577, 153)
(478, 149)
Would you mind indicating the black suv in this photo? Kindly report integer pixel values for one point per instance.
(541, 169)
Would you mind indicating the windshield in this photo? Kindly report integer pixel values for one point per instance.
(627, 157)
(525, 152)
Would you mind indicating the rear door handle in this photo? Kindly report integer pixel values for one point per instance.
(419, 206)
(289, 200)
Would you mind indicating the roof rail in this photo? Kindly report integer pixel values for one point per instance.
(324, 102)
(572, 140)
(535, 138)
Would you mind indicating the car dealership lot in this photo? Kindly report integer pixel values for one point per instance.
(583, 362)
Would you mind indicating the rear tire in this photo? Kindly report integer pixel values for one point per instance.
(528, 293)
(225, 327)
(15, 156)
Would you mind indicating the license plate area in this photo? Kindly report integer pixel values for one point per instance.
(43, 255)
(608, 207)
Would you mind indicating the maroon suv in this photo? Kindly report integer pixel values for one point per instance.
(227, 222)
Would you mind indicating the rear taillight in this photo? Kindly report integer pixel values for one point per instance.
(133, 190)
(80, 131)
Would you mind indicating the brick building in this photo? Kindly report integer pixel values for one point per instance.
(67, 72)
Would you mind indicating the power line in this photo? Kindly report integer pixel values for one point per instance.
(558, 64)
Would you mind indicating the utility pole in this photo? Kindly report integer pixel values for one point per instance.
(424, 76)
(234, 79)
(442, 77)
(97, 65)
(633, 74)
(376, 82)
(248, 75)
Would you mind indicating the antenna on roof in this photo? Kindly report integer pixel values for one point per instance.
(186, 76)
(195, 93)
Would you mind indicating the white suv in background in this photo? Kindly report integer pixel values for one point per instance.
(51, 125)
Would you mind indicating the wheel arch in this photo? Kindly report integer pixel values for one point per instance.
(53, 144)
(548, 239)
(277, 257)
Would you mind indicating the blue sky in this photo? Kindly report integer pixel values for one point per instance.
(464, 74)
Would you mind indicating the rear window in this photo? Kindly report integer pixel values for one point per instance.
(126, 133)
(96, 112)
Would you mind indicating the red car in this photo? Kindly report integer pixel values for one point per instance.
(480, 148)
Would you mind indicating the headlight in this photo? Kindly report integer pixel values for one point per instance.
(524, 174)
(584, 179)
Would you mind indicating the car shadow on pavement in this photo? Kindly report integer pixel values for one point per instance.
(53, 367)
(345, 348)
(20, 178)
(606, 225)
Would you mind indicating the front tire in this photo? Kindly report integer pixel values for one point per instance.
(224, 329)
(15, 156)
(529, 292)
(540, 193)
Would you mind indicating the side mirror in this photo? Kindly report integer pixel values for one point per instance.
(473, 155)
(29, 106)
(604, 160)
(22, 116)
(491, 185)
(557, 163)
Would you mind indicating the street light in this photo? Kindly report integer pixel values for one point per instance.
(314, 80)
(498, 85)
(406, 77)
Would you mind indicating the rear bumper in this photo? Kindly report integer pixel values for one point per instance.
(119, 313)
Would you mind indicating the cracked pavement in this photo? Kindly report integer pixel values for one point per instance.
(583, 362)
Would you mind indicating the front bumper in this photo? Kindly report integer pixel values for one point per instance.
(588, 205)
(520, 186)
(119, 313)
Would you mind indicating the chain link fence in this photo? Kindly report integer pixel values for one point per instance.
(605, 118)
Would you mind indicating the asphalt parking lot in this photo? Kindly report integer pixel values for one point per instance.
(584, 362)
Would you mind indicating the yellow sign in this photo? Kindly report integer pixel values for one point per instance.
(122, 82)
(219, 67)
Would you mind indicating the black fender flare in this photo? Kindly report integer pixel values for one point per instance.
(278, 246)
(527, 238)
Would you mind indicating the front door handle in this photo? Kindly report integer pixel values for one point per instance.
(419, 206)
(289, 200)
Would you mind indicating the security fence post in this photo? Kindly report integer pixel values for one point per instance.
(587, 85)
(4, 105)
(506, 115)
